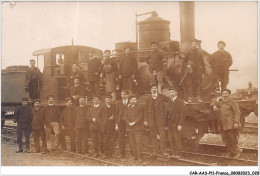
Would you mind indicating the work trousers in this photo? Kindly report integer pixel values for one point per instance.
(174, 137)
(162, 133)
(128, 84)
(72, 136)
(53, 133)
(223, 76)
(82, 140)
(135, 140)
(37, 134)
(109, 140)
(94, 88)
(26, 133)
(157, 79)
(97, 138)
(33, 89)
(122, 137)
(192, 85)
(230, 139)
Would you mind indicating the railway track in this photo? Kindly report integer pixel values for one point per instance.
(188, 158)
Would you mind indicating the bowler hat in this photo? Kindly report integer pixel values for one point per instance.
(222, 42)
(32, 60)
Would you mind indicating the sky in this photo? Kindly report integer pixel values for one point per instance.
(31, 26)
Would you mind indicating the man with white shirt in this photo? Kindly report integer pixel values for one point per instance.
(94, 116)
(120, 125)
(155, 118)
(174, 121)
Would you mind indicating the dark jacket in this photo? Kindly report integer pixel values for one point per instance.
(74, 75)
(221, 60)
(128, 66)
(176, 113)
(67, 118)
(23, 117)
(195, 59)
(110, 66)
(120, 111)
(135, 114)
(95, 68)
(94, 112)
(77, 90)
(162, 104)
(81, 120)
(37, 119)
(229, 113)
(105, 116)
(33, 74)
(155, 60)
(51, 114)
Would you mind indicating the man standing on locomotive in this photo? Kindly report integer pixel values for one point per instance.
(155, 118)
(38, 127)
(193, 71)
(220, 61)
(155, 61)
(23, 118)
(174, 121)
(230, 122)
(120, 125)
(107, 126)
(33, 78)
(95, 68)
(82, 126)
(76, 91)
(52, 118)
(67, 122)
(127, 70)
(110, 74)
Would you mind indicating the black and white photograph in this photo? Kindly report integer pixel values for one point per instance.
(162, 85)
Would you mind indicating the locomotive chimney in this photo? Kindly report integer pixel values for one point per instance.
(187, 24)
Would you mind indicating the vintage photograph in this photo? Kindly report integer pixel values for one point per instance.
(129, 83)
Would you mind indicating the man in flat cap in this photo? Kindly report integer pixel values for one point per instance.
(82, 126)
(134, 119)
(128, 68)
(38, 127)
(23, 118)
(94, 117)
(220, 61)
(230, 122)
(75, 73)
(193, 68)
(95, 69)
(174, 121)
(120, 125)
(107, 126)
(67, 122)
(155, 61)
(155, 118)
(110, 74)
(52, 118)
(33, 80)
(76, 91)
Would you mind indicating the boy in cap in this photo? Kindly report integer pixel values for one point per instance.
(67, 122)
(110, 74)
(107, 126)
(220, 61)
(94, 117)
(38, 127)
(174, 121)
(230, 122)
(51, 115)
(155, 61)
(134, 119)
(82, 126)
(194, 71)
(23, 118)
(33, 80)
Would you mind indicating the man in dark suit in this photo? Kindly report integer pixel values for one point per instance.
(24, 119)
(120, 125)
(95, 68)
(155, 118)
(76, 91)
(108, 126)
(134, 119)
(174, 121)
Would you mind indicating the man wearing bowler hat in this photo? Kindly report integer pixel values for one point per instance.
(220, 61)
(24, 119)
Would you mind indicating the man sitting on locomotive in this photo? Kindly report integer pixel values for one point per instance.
(193, 68)
(75, 73)
(76, 91)
(155, 61)
(110, 74)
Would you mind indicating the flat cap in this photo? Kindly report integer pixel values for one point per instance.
(82, 96)
(37, 100)
(154, 85)
(32, 60)
(95, 97)
(173, 88)
(221, 42)
(133, 96)
(24, 99)
(108, 95)
(227, 90)
(68, 99)
(153, 42)
(49, 96)
(107, 51)
(125, 91)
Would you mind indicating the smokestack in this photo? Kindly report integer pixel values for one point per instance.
(187, 24)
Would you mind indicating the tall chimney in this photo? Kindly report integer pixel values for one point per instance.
(187, 24)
